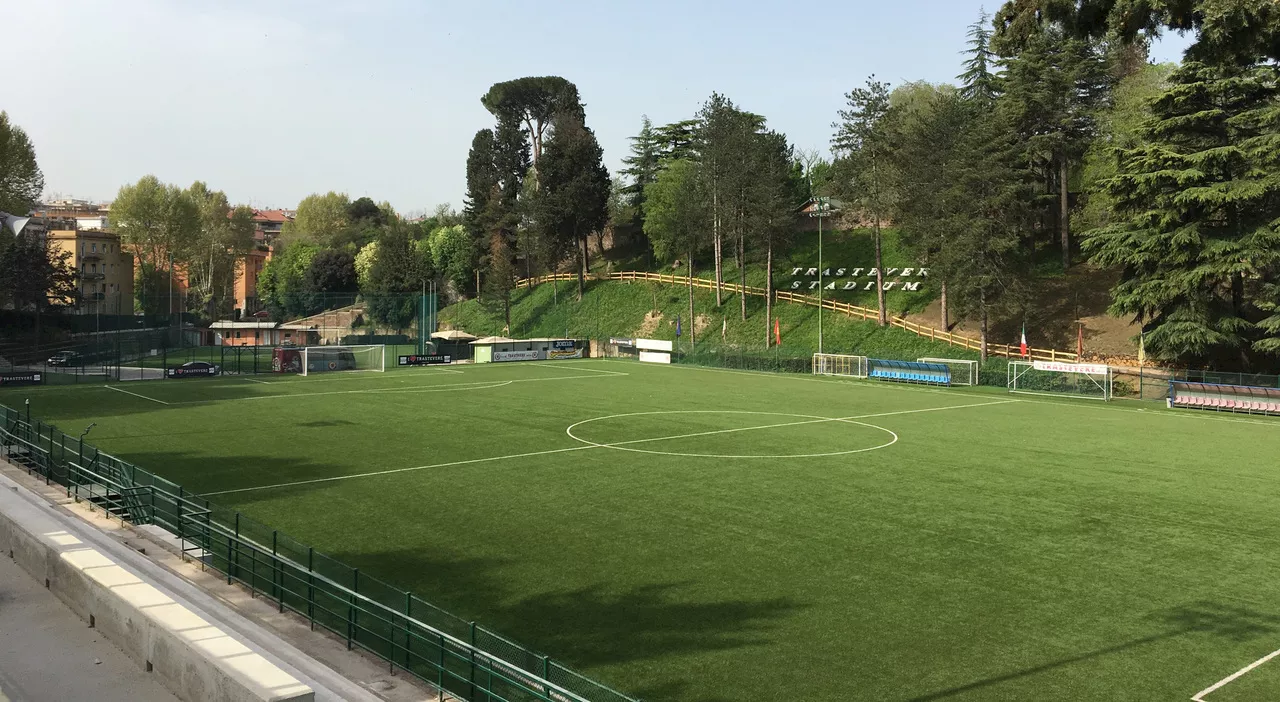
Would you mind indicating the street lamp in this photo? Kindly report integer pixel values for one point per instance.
(821, 210)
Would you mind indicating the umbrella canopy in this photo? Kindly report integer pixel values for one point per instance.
(453, 335)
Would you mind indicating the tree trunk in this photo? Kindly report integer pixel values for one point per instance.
(1064, 214)
(882, 316)
(715, 226)
(742, 276)
(692, 338)
(477, 281)
(983, 351)
(768, 294)
(946, 317)
(582, 269)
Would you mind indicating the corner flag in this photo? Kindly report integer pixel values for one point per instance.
(1023, 346)
(677, 325)
(1142, 348)
(1080, 343)
(777, 332)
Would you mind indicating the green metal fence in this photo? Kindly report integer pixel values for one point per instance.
(459, 657)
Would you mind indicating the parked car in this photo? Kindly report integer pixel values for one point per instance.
(194, 368)
(65, 358)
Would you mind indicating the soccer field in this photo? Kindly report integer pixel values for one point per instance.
(691, 534)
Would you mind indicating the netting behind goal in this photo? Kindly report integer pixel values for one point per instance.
(1088, 381)
(840, 365)
(326, 359)
(963, 372)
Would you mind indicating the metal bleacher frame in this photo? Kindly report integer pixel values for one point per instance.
(1247, 399)
(909, 372)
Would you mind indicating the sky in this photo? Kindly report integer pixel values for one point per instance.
(271, 100)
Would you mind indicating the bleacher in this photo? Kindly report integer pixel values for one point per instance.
(1224, 398)
(909, 372)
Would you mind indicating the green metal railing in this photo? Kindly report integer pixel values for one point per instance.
(459, 657)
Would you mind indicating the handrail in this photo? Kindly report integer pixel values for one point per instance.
(921, 330)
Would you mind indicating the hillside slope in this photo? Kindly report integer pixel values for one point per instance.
(612, 308)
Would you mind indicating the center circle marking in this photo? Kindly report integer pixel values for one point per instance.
(622, 445)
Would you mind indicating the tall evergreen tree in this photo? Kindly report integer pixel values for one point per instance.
(979, 81)
(1198, 205)
(483, 186)
(641, 166)
(676, 218)
(862, 145)
(573, 196)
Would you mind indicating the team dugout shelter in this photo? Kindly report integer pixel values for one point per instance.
(499, 349)
(1249, 399)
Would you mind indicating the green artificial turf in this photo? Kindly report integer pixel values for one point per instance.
(994, 547)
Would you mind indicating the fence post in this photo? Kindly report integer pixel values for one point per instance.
(311, 586)
(471, 655)
(408, 631)
(277, 576)
(229, 542)
(351, 609)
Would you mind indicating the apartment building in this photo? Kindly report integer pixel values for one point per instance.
(105, 269)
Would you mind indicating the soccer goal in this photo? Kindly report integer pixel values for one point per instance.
(1084, 380)
(325, 359)
(963, 372)
(837, 364)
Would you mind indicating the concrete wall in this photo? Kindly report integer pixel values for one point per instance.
(194, 659)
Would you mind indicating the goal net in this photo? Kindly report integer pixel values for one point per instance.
(841, 365)
(963, 372)
(1082, 380)
(327, 359)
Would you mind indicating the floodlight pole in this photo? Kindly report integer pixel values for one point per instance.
(820, 213)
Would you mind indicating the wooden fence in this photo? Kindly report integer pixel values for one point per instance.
(865, 313)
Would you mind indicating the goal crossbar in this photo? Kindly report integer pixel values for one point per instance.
(840, 365)
(317, 359)
(1081, 380)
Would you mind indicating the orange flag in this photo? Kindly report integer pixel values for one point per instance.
(777, 332)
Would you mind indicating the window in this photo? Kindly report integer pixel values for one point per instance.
(93, 248)
(237, 335)
(104, 287)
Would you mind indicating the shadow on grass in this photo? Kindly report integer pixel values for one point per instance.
(1211, 618)
(587, 627)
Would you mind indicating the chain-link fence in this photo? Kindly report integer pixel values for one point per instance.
(458, 656)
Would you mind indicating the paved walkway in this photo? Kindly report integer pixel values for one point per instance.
(48, 654)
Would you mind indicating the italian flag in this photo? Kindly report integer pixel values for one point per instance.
(1023, 346)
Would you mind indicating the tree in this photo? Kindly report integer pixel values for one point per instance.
(332, 272)
(573, 194)
(283, 282)
(1053, 90)
(722, 138)
(772, 203)
(320, 219)
(35, 277)
(210, 257)
(365, 211)
(364, 263)
(676, 217)
(396, 274)
(861, 143)
(534, 102)
(157, 221)
(676, 141)
(21, 181)
(1227, 31)
(979, 81)
(1197, 204)
(452, 255)
(482, 186)
(641, 167)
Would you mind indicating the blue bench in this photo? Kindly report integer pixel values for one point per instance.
(909, 372)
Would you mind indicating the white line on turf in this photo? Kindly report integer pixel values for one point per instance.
(1199, 696)
(535, 453)
(255, 380)
(127, 392)
(1155, 411)
(436, 387)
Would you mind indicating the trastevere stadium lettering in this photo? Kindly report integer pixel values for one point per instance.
(807, 278)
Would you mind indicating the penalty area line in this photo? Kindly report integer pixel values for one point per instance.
(1199, 696)
(127, 392)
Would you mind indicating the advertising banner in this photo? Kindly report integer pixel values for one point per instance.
(502, 356)
(1086, 368)
(655, 357)
(184, 372)
(21, 378)
(621, 341)
(563, 344)
(654, 345)
(558, 355)
(424, 360)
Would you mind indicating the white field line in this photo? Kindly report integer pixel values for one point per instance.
(255, 380)
(1199, 696)
(784, 424)
(127, 392)
(378, 391)
(1155, 411)
(573, 365)
(572, 448)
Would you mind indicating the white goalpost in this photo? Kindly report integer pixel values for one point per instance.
(840, 365)
(326, 359)
(963, 372)
(1084, 380)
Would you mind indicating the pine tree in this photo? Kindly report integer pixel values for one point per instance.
(1198, 204)
(641, 167)
(979, 81)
